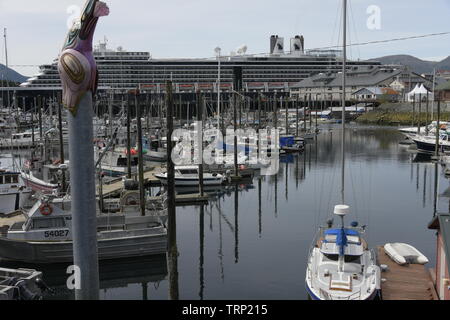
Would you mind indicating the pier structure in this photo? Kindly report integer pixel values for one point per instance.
(409, 282)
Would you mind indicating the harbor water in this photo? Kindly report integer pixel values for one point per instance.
(252, 240)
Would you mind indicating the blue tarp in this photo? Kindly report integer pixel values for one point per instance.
(341, 237)
(348, 232)
(287, 141)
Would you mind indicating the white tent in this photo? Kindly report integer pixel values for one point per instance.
(419, 92)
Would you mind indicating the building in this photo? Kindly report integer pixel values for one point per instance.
(328, 85)
(276, 71)
(441, 279)
(376, 93)
(443, 92)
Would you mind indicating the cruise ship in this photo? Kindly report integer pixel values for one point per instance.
(276, 71)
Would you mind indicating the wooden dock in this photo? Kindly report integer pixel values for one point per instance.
(186, 199)
(410, 282)
(115, 188)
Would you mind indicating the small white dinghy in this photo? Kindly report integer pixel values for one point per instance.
(403, 253)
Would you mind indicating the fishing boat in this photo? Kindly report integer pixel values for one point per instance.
(19, 140)
(46, 234)
(115, 162)
(48, 179)
(153, 150)
(340, 264)
(189, 176)
(13, 192)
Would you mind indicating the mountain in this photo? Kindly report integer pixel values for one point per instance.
(11, 75)
(417, 65)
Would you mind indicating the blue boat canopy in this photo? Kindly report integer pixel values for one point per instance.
(341, 237)
(335, 232)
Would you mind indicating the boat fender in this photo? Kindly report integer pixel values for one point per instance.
(45, 209)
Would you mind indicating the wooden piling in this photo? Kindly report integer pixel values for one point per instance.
(172, 228)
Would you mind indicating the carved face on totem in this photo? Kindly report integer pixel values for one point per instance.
(76, 65)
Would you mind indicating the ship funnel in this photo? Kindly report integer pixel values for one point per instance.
(276, 45)
(242, 50)
(297, 45)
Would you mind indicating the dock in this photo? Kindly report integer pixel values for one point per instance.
(114, 189)
(409, 282)
(186, 199)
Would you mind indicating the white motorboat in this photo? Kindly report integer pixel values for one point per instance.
(189, 176)
(427, 144)
(411, 132)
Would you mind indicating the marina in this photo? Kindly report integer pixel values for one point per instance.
(301, 173)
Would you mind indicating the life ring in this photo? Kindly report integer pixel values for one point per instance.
(45, 209)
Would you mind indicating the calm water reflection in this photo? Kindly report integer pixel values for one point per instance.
(252, 241)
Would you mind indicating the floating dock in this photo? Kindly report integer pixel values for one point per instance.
(114, 189)
(186, 199)
(410, 282)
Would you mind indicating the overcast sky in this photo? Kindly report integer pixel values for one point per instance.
(193, 28)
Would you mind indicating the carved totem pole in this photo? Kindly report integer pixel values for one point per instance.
(78, 72)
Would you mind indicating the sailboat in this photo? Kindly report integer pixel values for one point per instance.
(340, 264)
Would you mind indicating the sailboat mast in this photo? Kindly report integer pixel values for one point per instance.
(344, 70)
(6, 70)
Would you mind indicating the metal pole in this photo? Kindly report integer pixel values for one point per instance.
(61, 144)
(32, 122)
(344, 70)
(427, 116)
(84, 220)
(438, 129)
(140, 156)
(418, 114)
(128, 139)
(286, 116)
(296, 117)
(6, 75)
(218, 93)
(41, 137)
(200, 139)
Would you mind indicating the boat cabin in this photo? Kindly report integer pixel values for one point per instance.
(9, 178)
(342, 241)
(186, 170)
